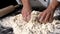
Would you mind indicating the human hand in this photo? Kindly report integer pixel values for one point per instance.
(46, 16)
(26, 13)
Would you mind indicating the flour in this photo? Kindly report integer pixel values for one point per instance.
(32, 27)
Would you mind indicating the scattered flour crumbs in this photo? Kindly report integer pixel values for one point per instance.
(32, 27)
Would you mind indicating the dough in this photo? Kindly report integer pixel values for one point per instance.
(32, 27)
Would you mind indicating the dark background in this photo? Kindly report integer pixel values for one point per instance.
(5, 3)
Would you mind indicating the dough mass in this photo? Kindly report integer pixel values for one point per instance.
(32, 27)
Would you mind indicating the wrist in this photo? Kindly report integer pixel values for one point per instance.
(27, 7)
(51, 9)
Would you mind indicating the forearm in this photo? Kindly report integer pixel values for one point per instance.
(26, 3)
(53, 5)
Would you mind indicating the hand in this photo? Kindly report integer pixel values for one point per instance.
(26, 13)
(46, 16)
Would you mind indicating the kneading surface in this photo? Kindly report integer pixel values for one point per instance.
(32, 27)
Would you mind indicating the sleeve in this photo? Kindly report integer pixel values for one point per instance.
(58, 0)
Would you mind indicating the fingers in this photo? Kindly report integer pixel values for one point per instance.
(51, 18)
(24, 17)
(39, 16)
(26, 14)
(46, 17)
(42, 17)
(28, 18)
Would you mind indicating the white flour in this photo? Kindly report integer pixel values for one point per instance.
(32, 27)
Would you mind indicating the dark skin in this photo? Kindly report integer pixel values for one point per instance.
(45, 16)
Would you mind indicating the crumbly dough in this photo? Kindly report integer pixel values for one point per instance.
(32, 27)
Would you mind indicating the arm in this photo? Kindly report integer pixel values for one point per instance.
(26, 10)
(26, 3)
(53, 5)
(47, 15)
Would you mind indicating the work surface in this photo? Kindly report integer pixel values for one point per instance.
(15, 24)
